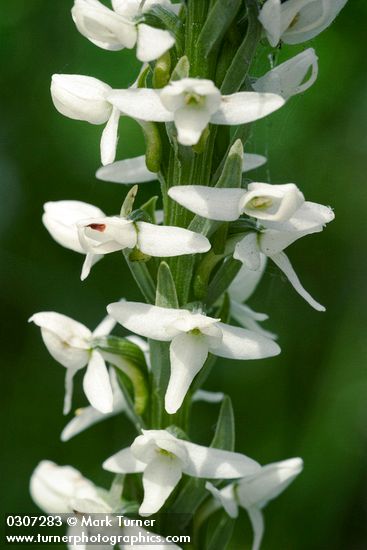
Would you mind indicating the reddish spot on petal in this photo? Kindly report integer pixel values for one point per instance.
(97, 226)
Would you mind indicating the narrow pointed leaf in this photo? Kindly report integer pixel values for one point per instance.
(182, 69)
(222, 534)
(142, 277)
(166, 291)
(128, 203)
(216, 25)
(224, 437)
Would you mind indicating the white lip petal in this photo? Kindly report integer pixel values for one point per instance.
(244, 107)
(69, 384)
(152, 43)
(109, 138)
(127, 171)
(257, 522)
(96, 384)
(239, 343)
(141, 104)
(209, 202)
(190, 123)
(160, 477)
(144, 319)
(282, 261)
(187, 356)
(167, 241)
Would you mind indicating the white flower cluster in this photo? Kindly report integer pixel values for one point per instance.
(267, 219)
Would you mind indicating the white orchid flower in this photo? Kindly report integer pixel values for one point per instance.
(275, 237)
(192, 104)
(122, 27)
(85, 98)
(70, 344)
(88, 416)
(55, 489)
(289, 78)
(134, 170)
(253, 492)
(296, 21)
(241, 288)
(163, 458)
(84, 228)
(192, 336)
(262, 201)
(110, 234)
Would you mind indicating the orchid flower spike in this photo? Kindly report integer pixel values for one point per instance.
(292, 77)
(192, 104)
(71, 344)
(296, 21)
(163, 458)
(84, 228)
(192, 336)
(85, 98)
(122, 27)
(134, 170)
(262, 201)
(253, 492)
(240, 290)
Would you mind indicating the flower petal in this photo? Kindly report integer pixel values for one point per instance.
(109, 138)
(126, 171)
(190, 122)
(96, 384)
(282, 261)
(66, 340)
(209, 202)
(124, 462)
(277, 203)
(248, 252)
(165, 241)
(208, 462)
(152, 43)
(271, 19)
(144, 319)
(208, 396)
(244, 107)
(90, 260)
(69, 379)
(141, 104)
(226, 497)
(268, 483)
(188, 354)
(249, 319)
(251, 161)
(257, 522)
(81, 97)
(239, 343)
(288, 79)
(60, 219)
(160, 477)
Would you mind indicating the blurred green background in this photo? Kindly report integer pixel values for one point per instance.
(312, 400)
